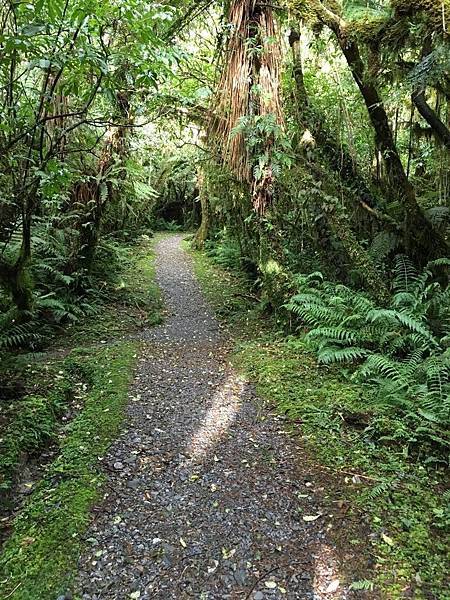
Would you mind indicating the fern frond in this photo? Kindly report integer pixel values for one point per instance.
(333, 333)
(405, 274)
(378, 364)
(336, 354)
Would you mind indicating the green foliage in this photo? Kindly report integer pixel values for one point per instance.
(42, 552)
(173, 175)
(226, 253)
(363, 585)
(74, 84)
(401, 350)
(122, 279)
(257, 130)
(48, 390)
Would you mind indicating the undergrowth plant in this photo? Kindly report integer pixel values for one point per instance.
(402, 349)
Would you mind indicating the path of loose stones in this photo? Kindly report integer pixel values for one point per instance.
(204, 486)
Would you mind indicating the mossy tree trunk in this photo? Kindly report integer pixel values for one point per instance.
(95, 194)
(421, 241)
(15, 277)
(337, 224)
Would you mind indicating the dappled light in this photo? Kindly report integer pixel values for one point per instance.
(327, 576)
(239, 212)
(219, 416)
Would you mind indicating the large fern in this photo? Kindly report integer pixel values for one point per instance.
(402, 349)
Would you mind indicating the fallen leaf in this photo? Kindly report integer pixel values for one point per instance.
(228, 553)
(387, 540)
(135, 595)
(214, 568)
(311, 518)
(27, 541)
(333, 586)
(270, 584)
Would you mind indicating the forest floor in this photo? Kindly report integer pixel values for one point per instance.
(208, 496)
(172, 477)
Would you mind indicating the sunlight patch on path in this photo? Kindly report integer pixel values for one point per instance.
(226, 404)
(326, 573)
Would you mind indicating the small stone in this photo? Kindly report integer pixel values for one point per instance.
(25, 488)
(133, 484)
(258, 596)
(118, 466)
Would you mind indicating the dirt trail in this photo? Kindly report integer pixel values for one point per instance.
(205, 497)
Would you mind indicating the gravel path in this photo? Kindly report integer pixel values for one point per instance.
(205, 497)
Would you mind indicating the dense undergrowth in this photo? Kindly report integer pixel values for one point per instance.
(120, 282)
(364, 428)
(68, 404)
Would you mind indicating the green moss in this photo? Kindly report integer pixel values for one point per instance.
(32, 422)
(134, 303)
(343, 428)
(41, 554)
(142, 281)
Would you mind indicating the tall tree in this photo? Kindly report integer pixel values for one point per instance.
(421, 240)
(249, 87)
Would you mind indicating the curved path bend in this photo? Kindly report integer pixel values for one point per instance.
(205, 497)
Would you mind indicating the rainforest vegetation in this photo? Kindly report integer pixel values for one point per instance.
(305, 146)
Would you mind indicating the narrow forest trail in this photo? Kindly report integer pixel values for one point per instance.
(204, 486)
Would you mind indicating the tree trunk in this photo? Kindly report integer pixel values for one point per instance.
(95, 195)
(338, 157)
(439, 128)
(358, 255)
(202, 232)
(16, 280)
